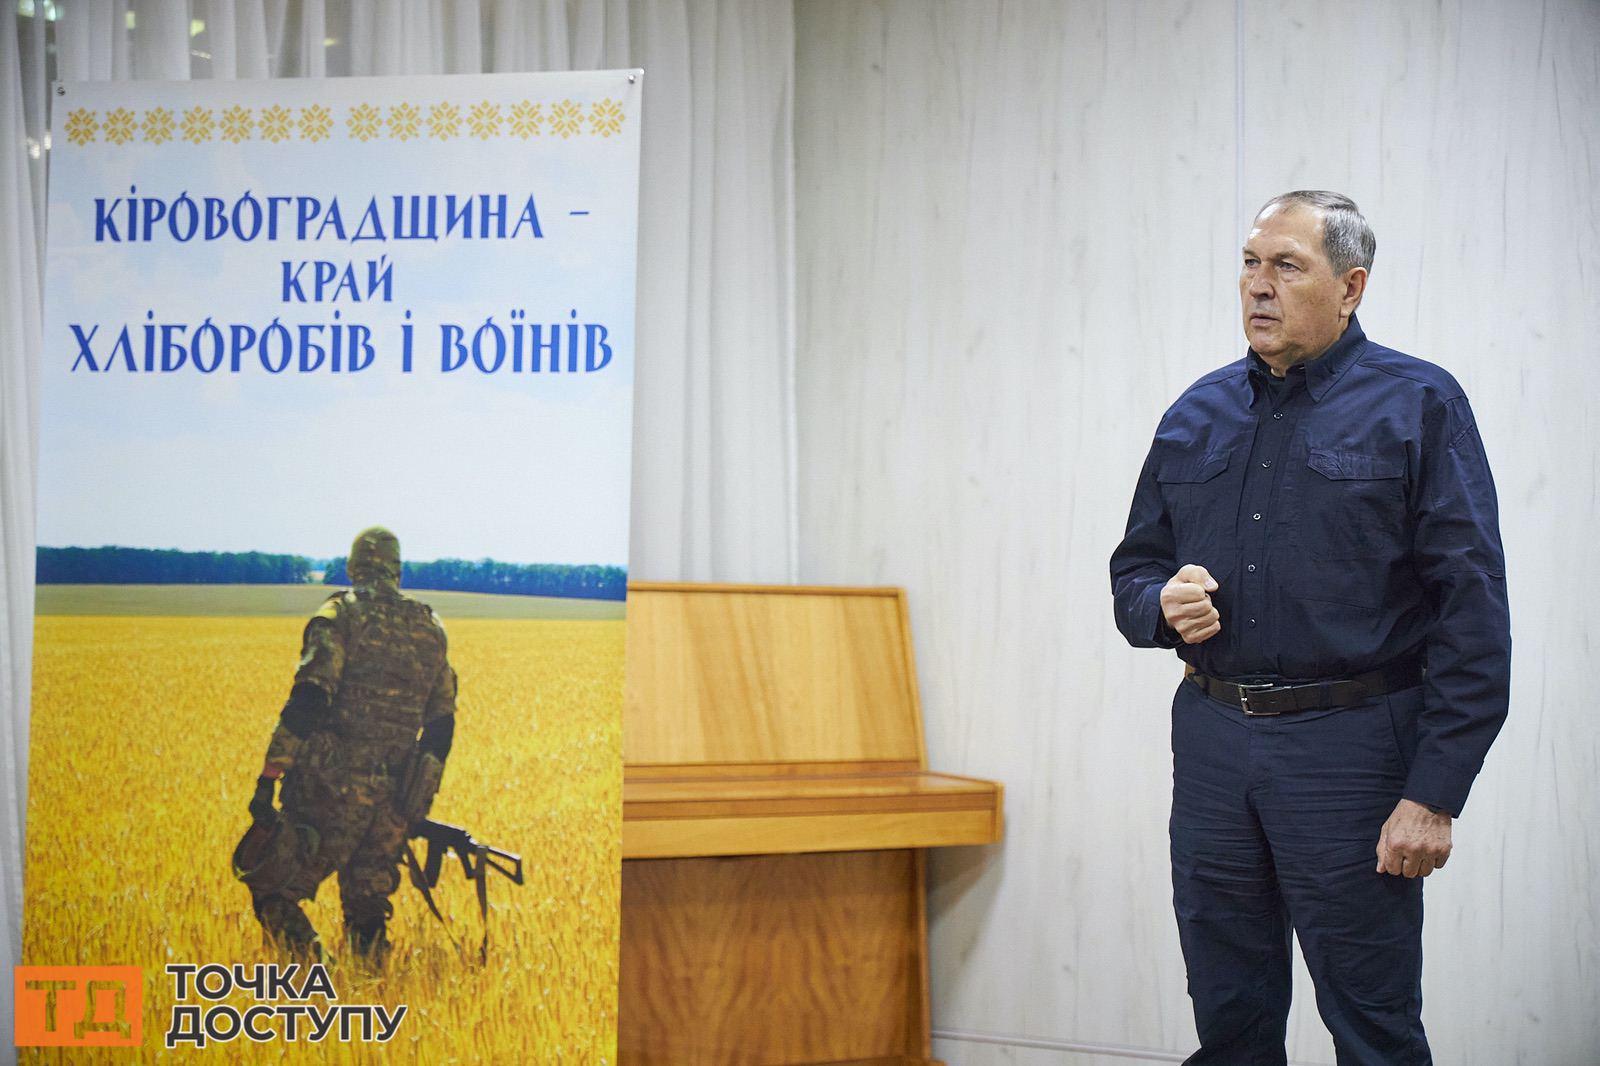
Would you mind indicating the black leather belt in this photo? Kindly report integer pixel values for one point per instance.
(1265, 699)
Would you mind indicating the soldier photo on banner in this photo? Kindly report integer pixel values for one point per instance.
(360, 749)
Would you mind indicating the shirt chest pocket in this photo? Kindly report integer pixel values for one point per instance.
(1352, 504)
(1196, 491)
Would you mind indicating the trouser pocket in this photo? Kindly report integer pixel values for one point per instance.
(1405, 708)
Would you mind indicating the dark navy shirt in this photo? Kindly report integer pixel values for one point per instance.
(1348, 516)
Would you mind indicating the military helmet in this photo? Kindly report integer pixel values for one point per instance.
(374, 558)
(269, 856)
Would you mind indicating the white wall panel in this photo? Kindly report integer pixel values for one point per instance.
(1470, 135)
(1016, 228)
(1017, 242)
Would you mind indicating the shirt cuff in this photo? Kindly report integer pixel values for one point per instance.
(1164, 635)
(1441, 785)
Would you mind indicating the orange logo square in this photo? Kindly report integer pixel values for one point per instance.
(78, 1006)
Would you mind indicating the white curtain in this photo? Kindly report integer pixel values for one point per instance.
(714, 474)
(21, 234)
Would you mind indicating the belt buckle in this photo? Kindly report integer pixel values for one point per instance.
(1244, 699)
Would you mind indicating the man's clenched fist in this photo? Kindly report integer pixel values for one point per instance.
(1186, 604)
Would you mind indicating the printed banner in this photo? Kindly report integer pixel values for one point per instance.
(333, 527)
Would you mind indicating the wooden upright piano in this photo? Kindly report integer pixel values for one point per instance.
(776, 808)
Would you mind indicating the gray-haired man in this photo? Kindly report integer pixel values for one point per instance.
(1315, 532)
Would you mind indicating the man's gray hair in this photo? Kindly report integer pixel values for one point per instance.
(1347, 240)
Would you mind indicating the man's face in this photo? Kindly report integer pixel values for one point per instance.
(1294, 306)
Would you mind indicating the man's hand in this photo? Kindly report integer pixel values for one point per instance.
(1415, 841)
(1186, 604)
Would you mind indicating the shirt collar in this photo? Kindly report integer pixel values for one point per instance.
(1328, 367)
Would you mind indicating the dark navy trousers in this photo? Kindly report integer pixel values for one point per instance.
(1275, 825)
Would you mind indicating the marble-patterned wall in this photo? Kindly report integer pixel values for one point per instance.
(1017, 240)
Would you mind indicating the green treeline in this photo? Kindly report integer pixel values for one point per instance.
(519, 579)
(148, 566)
(152, 566)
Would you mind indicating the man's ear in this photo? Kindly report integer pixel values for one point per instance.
(1355, 285)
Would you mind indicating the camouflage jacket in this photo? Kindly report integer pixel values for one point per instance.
(381, 658)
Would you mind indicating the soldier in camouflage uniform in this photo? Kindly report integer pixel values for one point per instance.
(360, 748)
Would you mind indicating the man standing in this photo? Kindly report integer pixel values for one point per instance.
(1315, 532)
(360, 747)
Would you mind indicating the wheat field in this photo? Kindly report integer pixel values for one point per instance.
(147, 736)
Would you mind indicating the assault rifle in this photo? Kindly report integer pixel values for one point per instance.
(477, 860)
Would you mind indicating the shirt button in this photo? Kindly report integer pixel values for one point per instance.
(1252, 623)
(1256, 516)
(1251, 568)
(1277, 414)
(1266, 464)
